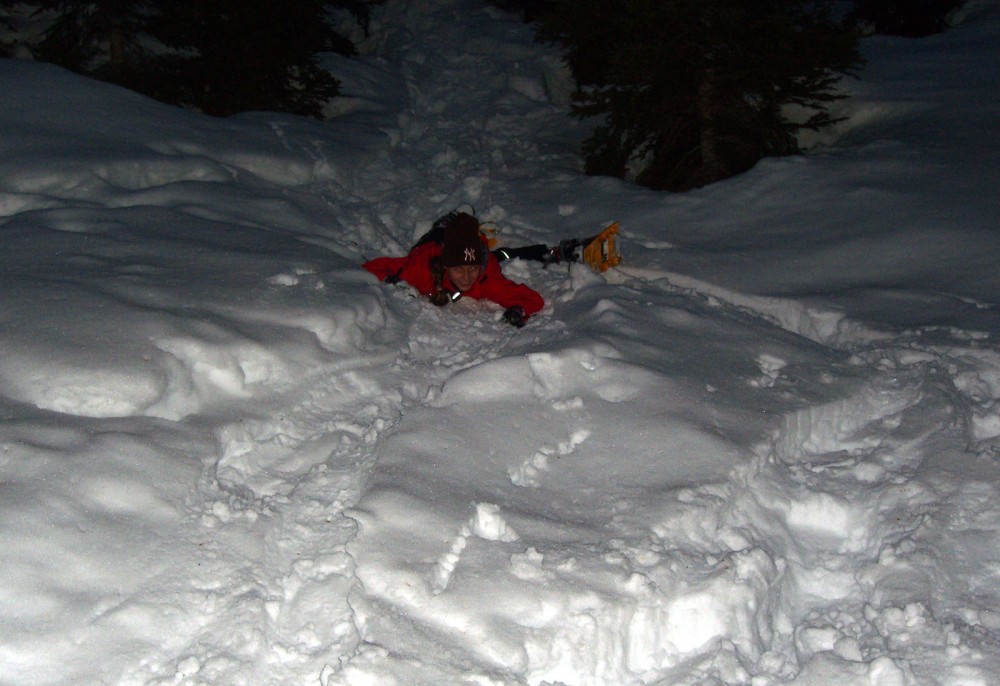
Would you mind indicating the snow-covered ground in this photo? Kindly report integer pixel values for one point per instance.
(764, 451)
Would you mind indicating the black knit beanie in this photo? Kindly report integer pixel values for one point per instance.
(462, 244)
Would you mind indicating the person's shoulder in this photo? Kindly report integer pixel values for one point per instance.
(493, 276)
(493, 264)
(427, 249)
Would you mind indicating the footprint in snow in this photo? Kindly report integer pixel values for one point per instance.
(770, 369)
(529, 472)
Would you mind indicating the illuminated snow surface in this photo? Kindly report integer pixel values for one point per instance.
(764, 451)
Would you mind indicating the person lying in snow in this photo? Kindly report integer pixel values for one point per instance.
(453, 260)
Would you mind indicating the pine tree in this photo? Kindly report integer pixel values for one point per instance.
(7, 28)
(239, 55)
(99, 37)
(910, 18)
(530, 10)
(218, 56)
(6, 17)
(695, 92)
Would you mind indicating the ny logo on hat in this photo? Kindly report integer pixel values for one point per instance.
(470, 254)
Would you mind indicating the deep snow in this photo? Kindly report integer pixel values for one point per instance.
(763, 451)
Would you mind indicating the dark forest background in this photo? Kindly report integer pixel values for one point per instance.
(217, 56)
(683, 93)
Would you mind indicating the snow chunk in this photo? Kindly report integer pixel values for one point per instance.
(108, 392)
(489, 525)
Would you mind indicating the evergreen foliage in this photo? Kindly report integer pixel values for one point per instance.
(695, 92)
(99, 38)
(7, 27)
(238, 55)
(530, 10)
(218, 56)
(6, 46)
(910, 18)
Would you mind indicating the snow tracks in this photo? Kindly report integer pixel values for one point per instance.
(875, 502)
(653, 485)
(892, 487)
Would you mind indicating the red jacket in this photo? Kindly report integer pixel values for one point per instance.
(415, 270)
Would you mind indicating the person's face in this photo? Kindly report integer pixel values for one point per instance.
(463, 277)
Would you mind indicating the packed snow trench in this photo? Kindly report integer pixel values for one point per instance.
(763, 451)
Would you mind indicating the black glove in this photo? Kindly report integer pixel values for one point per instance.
(515, 316)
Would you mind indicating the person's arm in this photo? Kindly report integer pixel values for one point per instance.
(508, 294)
(414, 269)
(386, 267)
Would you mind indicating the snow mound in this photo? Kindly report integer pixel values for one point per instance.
(438, 532)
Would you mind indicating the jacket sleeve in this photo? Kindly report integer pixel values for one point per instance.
(384, 267)
(507, 293)
(414, 269)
